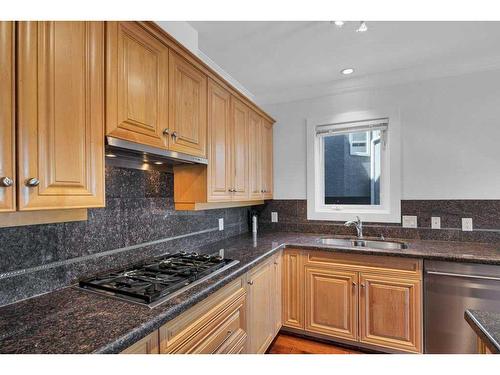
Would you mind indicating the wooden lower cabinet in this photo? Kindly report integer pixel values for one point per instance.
(217, 325)
(331, 302)
(277, 292)
(372, 300)
(147, 345)
(390, 312)
(293, 289)
(261, 326)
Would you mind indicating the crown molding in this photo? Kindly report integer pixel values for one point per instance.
(236, 84)
(384, 79)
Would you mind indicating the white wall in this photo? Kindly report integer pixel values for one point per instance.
(450, 134)
(187, 35)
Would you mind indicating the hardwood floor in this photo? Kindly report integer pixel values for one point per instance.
(288, 344)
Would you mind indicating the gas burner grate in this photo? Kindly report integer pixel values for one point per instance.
(154, 282)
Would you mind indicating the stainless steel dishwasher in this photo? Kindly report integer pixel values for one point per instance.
(450, 288)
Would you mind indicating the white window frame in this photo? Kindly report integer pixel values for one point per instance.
(389, 210)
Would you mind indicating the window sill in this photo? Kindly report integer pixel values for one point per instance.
(372, 216)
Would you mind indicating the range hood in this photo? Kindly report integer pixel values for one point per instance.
(131, 154)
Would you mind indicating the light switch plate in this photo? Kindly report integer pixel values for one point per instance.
(409, 221)
(221, 224)
(467, 224)
(435, 222)
(274, 217)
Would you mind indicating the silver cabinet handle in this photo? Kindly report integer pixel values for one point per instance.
(463, 276)
(250, 282)
(32, 182)
(354, 285)
(166, 131)
(6, 182)
(174, 135)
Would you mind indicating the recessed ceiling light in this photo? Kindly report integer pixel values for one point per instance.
(347, 71)
(158, 162)
(339, 23)
(111, 155)
(362, 27)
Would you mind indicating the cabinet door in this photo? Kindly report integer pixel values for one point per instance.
(254, 156)
(260, 324)
(390, 312)
(7, 117)
(293, 289)
(137, 85)
(267, 159)
(331, 302)
(188, 107)
(219, 143)
(61, 115)
(147, 345)
(239, 142)
(277, 295)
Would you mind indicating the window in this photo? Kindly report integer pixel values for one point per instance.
(351, 171)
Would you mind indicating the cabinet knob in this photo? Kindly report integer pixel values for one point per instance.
(32, 182)
(166, 131)
(174, 136)
(362, 285)
(6, 182)
(250, 282)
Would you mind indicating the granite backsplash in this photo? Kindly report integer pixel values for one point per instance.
(292, 216)
(139, 222)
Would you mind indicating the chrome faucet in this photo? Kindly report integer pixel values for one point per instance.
(358, 224)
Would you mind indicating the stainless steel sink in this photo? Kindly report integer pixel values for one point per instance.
(372, 244)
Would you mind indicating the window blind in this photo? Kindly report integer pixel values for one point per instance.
(350, 127)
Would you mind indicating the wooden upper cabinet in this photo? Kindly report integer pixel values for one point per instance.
(219, 143)
(331, 302)
(137, 85)
(255, 156)
(239, 149)
(60, 135)
(188, 107)
(390, 312)
(7, 117)
(267, 159)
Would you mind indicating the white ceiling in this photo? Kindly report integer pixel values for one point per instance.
(285, 60)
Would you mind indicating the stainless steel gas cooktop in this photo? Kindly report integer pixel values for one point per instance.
(160, 279)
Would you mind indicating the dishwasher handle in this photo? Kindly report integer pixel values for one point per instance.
(464, 276)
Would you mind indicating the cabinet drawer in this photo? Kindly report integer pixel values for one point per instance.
(222, 336)
(186, 332)
(360, 262)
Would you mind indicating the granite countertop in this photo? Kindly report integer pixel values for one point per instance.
(72, 320)
(486, 324)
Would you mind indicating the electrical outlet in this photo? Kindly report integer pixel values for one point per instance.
(274, 217)
(467, 224)
(435, 222)
(221, 224)
(409, 221)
